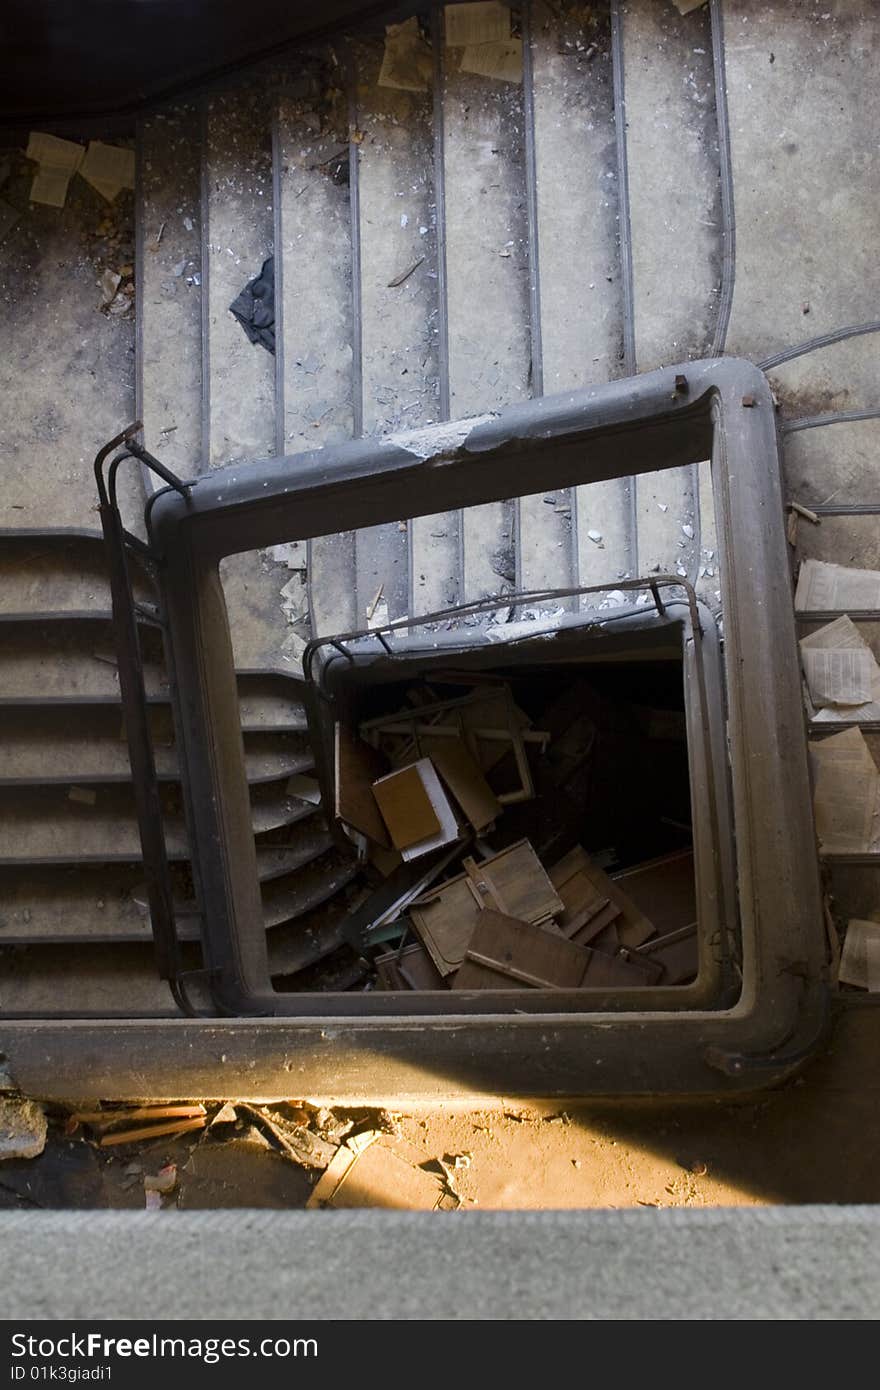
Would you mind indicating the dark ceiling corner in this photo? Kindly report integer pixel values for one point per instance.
(73, 61)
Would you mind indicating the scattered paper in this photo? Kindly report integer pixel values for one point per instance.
(109, 283)
(379, 616)
(502, 60)
(304, 788)
(476, 24)
(846, 796)
(406, 64)
(58, 161)
(860, 957)
(822, 586)
(838, 676)
(108, 168)
(84, 795)
(843, 677)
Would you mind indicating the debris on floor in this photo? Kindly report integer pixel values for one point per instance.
(473, 24)
(255, 307)
(108, 168)
(369, 1170)
(150, 1122)
(474, 815)
(860, 957)
(406, 63)
(57, 161)
(23, 1128)
(502, 61)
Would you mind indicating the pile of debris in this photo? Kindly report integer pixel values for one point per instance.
(436, 795)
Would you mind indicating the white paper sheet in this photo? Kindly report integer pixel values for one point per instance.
(502, 60)
(846, 796)
(860, 957)
(487, 22)
(58, 161)
(406, 62)
(824, 586)
(841, 636)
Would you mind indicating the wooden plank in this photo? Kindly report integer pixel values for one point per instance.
(633, 927)
(411, 968)
(506, 953)
(446, 922)
(357, 766)
(516, 883)
(587, 910)
(464, 778)
(406, 807)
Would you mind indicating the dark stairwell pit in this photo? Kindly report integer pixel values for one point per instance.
(629, 783)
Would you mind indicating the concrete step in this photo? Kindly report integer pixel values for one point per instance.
(48, 825)
(169, 287)
(42, 981)
(40, 747)
(675, 222)
(487, 285)
(314, 298)
(58, 572)
(396, 230)
(237, 237)
(580, 288)
(70, 658)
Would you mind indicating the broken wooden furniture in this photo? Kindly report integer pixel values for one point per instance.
(745, 1022)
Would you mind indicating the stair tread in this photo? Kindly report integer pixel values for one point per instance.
(487, 281)
(237, 237)
(60, 573)
(169, 287)
(397, 231)
(42, 824)
(316, 311)
(40, 746)
(86, 979)
(675, 215)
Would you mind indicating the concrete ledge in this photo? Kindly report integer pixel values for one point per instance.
(721, 1263)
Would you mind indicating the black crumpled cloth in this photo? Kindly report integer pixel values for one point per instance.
(255, 307)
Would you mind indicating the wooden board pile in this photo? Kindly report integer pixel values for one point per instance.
(417, 790)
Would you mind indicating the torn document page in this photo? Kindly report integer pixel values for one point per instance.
(846, 796)
(860, 957)
(108, 168)
(472, 24)
(822, 586)
(58, 161)
(837, 676)
(406, 63)
(502, 60)
(843, 678)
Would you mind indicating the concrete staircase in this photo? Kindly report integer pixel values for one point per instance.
(572, 228)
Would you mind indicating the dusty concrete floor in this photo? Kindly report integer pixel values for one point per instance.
(815, 1140)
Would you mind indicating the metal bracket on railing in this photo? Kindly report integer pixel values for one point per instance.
(126, 610)
(514, 600)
